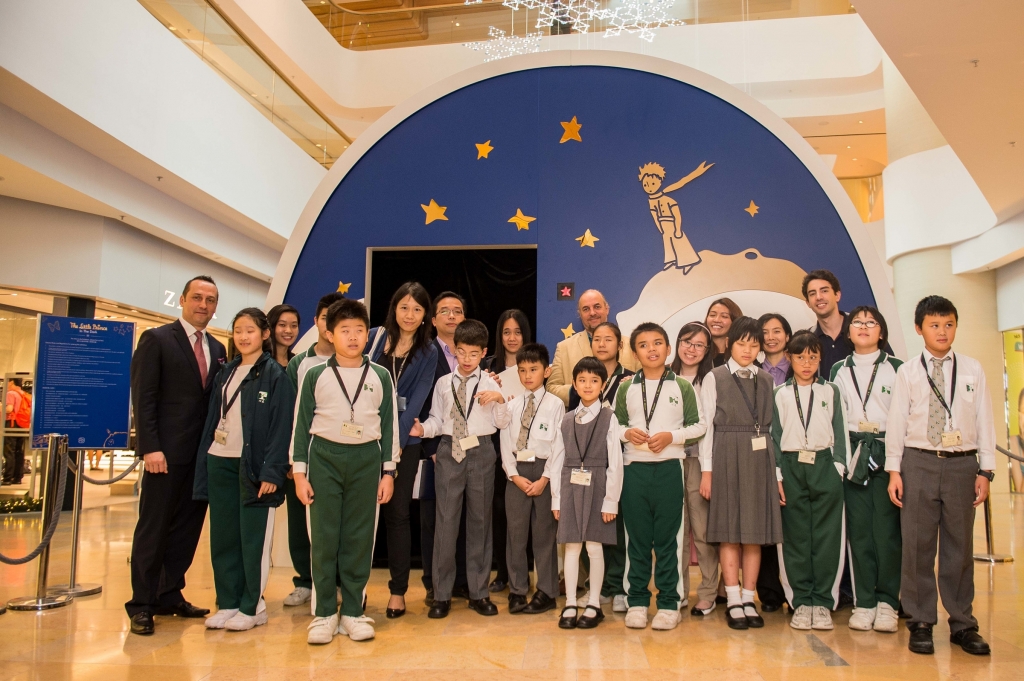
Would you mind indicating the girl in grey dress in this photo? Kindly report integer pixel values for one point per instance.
(738, 464)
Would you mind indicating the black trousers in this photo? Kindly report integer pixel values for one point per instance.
(769, 585)
(166, 537)
(396, 520)
(14, 459)
(499, 523)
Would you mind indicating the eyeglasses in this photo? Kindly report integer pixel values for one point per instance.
(798, 359)
(450, 312)
(472, 356)
(696, 346)
(864, 324)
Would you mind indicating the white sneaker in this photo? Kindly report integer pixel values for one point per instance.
(862, 619)
(886, 619)
(322, 629)
(219, 618)
(605, 600)
(636, 617)
(243, 622)
(665, 620)
(299, 596)
(357, 628)
(802, 618)
(821, 618)
(619, 604)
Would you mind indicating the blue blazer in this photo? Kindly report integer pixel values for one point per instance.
(415, 383)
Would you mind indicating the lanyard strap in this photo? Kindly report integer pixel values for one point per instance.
(856, 386)
(225, 403)
(657, 394)
(529, 428)
(396, 369)
(458, 405)
(576, 437)
(936, 391)
(359, 388)
(613, 385)
(800, 410)
(752, 408)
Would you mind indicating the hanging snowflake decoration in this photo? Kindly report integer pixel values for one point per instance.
(638, 16)
(579, 14)
(500, 45)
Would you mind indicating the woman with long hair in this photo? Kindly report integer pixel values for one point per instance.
(721, 314)
(284, 323)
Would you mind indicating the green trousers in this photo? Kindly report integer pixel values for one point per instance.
(652, 509)
(240, 540)
(615, 562)
(813, 530)
(342, 522)
(298, 537)
(876, 543)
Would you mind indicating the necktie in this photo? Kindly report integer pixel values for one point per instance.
(200, 356)
(743, 373)
(936, 414)
(579, 417)
(459, 427)
(526, 422)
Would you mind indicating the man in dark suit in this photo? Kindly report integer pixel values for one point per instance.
(171, 376)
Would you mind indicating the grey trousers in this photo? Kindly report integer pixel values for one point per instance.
(696, 510)
(522, 512)
(470, 482)
(938, 513)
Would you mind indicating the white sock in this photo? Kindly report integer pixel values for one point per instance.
(732, 593)
(596, 552)
(572, 572)
(748, 597)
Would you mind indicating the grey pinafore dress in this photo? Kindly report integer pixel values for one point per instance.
(579, 519)
(744, 487)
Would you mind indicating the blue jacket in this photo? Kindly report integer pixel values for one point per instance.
(414, 384)
(268, 405)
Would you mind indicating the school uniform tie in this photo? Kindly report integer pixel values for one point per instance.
(743, 373)
(200, 356)
(525, 423)
(936, 414)
(459, 427)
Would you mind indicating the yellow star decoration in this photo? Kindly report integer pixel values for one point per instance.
(521, 221)
(483, 149)
(571, 131)
(343, 287)
(434, 211)
(752, 209)
(568, 331)
(587, 239)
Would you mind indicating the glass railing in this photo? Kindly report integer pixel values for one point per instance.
(217, 43)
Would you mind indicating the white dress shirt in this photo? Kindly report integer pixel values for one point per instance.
(546, 428)
(972, 410)
(709, 404)
(880, 399)
(232, 449)
(191, 332)
(613, 474)
(483, 419)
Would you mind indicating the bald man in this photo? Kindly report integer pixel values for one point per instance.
(593, 310)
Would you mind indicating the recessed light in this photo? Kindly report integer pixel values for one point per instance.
(318, 146)
(848, 146)
(860, 121)
(172, 28)
(253, 94)
(457, 23)
(854, 159)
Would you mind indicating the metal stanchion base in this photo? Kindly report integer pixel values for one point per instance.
(993, 558)
(3, 608)
(36, 603)
(79, 589)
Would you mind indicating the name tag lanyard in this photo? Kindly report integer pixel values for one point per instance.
(856, 386)
(937, 392)
(225, 403)
(396, 376)
(576, 437)
(359, 389)
(613, 385)
(654, 404)
(800, 413)
(752, 408)
(458, 405)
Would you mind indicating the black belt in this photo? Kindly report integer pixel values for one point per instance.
(947, 455)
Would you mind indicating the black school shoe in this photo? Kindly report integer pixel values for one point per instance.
(183, 609)
(566, 621)
(498, 585)
(588, 621)
(971, 641)
(739, 623)
(460, 592)
(142, 623)
(540, 602)
(921, 639)
(483, 607)
(516, 603)
(439, 610)
(770, 607)
(753, 621)
(721, 600)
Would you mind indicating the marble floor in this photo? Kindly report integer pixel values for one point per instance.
(90, 639)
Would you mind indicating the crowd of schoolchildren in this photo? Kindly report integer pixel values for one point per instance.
(736, 442)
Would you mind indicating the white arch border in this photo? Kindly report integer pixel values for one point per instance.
(872, 264)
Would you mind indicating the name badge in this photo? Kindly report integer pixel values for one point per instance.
(220, 436)
(580, 476)
(868, 427)
(759, 443)
(351, 430)
(952, 439)
(526, 455)
(401, 403)
(804, 456)
(469, 442)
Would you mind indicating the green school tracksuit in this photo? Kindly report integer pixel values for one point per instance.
(344, 470)
(872, 520)
(653, 487)
(813, 525)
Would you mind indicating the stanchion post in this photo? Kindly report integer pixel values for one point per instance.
(48, 475)
(991, 556)
(73, 588)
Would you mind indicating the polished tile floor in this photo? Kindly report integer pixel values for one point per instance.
(90, 639)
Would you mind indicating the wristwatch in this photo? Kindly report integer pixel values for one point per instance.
(991, 475)
(393, 473)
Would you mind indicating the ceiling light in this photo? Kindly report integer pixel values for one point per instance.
(318, 146)
(253, 94)
(848, 146)
(854, 159)
(172, 28)
(457, 23)
(860, 121)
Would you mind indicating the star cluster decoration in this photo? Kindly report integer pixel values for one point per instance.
(638, 16)
(499, 45)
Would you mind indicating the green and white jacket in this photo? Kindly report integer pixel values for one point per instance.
(678, 411)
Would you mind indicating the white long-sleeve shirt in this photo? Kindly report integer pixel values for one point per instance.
(613, 474)
(483, 420)
(678, 412)
(826, 421)
(709, 405)
(971, 407)
(879, 401)
(546, 427)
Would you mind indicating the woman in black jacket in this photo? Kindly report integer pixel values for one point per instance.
(240, 469)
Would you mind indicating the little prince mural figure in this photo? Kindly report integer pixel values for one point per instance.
(667, 218)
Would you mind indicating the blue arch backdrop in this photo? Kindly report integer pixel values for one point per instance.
(456, 171)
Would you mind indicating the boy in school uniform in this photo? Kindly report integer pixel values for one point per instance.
(809, 431)
(467, 408)
(528, 446)
(298, 529)
(659, 414)
(940, 454)
(346, 431)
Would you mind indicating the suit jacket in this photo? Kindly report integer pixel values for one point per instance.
(416, 384)
(168, 397)
(572, 350)
(442, 369)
